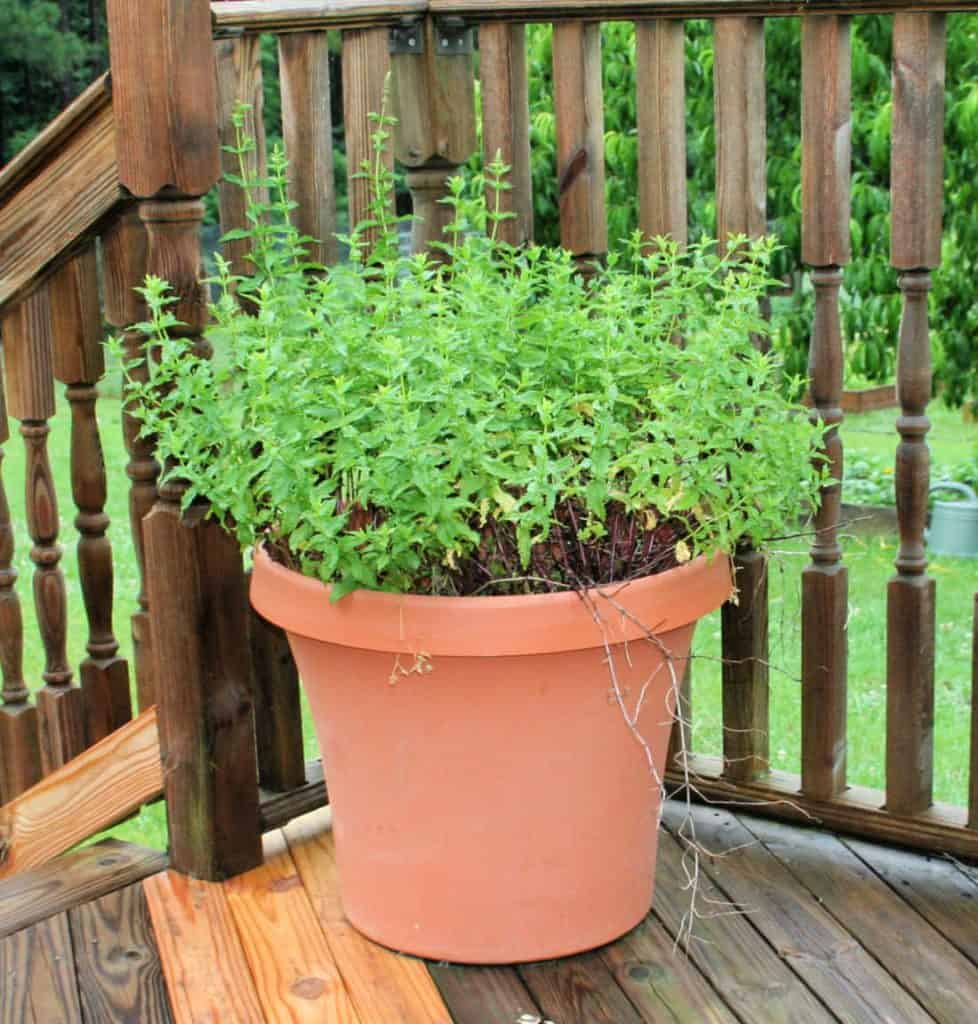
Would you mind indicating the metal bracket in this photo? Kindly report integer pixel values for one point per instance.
(453, 37)
(407, 36)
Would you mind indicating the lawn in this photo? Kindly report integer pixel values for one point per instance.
(869, 556)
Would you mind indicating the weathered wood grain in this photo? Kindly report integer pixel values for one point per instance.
(116, 960)
(579, 109)
(506, 124)
(73, 879)
(929, 967)
(239, 81)
(579, 988)
(295, 976)
(124, 252)
(660, 981)
(853, 986)
(477, 994)
(164, 84)
(307, 123)
(857, 811)
(102, 785)
(944, 893)
(660, 67)
(383, 985)
(194, 576)
(38, 974)
(206, 716)
(728, 950)
(56, 191)
(206, 972)
(280, 16)
(366, 62)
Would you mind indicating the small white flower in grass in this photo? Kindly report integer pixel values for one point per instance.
(683, 554)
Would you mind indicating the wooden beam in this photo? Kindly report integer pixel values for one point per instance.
(279, 16)
(75, 878)
(54, 194)
(85, 796)
(858, 811)
(277, 809)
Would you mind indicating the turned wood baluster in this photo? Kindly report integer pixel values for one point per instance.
(366, 62)
(506, 124)
(78, 363)
(916, 180)
(20, 751)
(433, 96)
(124, 269)
(741, 139)
(579, 109)
(29, 354)
(166, 113)
(826, 134)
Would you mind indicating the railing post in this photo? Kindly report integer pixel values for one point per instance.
(434, 103)
(916, 183)
(164, 94)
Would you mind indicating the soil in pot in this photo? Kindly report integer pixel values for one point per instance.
(491, 803)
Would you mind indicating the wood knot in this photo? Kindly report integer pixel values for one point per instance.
(308, 988)
(284, 884)
(574, 168)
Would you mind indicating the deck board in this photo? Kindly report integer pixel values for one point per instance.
(204, 965)
(834, 931)
(37, 975)
(812, 942)
(295, 975)
(384, 986)
(117, 962)
(942, 980)
(72, 879)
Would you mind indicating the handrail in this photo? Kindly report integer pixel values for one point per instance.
(57, 189)
(278, 16)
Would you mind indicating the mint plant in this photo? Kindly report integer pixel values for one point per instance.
(489, 422)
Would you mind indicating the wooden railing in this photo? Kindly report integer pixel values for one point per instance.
(167, 120)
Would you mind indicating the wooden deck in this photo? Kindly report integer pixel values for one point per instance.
(829, 930)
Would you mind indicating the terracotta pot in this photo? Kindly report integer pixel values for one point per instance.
(490, 802)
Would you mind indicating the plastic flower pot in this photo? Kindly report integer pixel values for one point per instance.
(491, 804)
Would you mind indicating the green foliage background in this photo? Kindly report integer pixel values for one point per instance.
(50, 49)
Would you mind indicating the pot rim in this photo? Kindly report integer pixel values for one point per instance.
(423, 625)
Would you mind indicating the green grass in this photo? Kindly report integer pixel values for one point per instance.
(869, 557)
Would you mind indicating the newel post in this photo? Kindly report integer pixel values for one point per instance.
(165, 104)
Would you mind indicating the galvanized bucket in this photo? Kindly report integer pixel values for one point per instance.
(954, 524)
